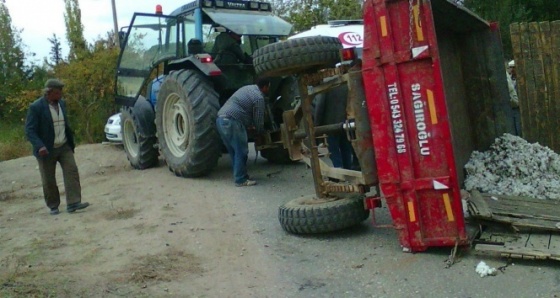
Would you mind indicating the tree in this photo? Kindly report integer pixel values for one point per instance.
(513, 11)
(56, 50)
(307, 13)
(74, 30)
(12, 58)
(88, 90)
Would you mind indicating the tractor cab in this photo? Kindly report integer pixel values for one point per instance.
(185, 39)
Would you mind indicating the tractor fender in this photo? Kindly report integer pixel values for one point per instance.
(145, 116)
(203, 62)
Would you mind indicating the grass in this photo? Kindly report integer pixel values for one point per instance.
(12, 141)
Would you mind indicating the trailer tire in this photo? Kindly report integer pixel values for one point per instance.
(140, 149)
(297, 55)
(307, 215)
(187, 108)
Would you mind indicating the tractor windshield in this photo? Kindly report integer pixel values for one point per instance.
(150, 39)
(250, 22)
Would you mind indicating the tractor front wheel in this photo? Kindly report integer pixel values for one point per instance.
(140, 148)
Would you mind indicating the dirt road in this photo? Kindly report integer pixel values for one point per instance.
(151, 234)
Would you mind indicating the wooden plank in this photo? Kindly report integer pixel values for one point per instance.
(520, 213)
(555, 77)
(523, 206)
(533, 78)
(525, 209)
(525, 84)
(495, 237)
(538, 241)
(545, 54)
(540, 84)
(523, 201)
(554, 241)
(518, 199)
(524, 223)
(519, 251)
(478, 206)
(515, 206)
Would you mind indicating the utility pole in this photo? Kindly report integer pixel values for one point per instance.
(115, 24)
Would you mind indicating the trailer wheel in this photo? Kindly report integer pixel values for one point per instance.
(297, 55)
(307, 215)
(140, 150)
(187, 108)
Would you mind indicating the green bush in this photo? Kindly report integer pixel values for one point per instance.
(12, 141)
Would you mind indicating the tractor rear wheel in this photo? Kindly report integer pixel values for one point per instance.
(309, 215)
(187, 108)
(297, 55)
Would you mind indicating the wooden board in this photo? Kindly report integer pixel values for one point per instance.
(533, 245)
(520, 212)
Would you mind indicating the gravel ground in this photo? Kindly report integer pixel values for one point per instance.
(229, 237)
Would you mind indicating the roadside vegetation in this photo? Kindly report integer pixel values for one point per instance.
(12, 141)
(88, 69)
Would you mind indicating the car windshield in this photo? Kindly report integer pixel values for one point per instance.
(250, 22)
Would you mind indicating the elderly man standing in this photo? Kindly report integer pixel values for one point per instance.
(48, 130)
(244, 109)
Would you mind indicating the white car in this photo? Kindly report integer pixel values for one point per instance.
(113, 128)
(349, 32)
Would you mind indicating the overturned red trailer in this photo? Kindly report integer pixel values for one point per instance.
(436, 91)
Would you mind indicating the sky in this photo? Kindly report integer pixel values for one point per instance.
(39, 19)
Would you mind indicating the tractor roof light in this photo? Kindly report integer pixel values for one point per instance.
(265, 6)
(220, 3)
(207, 3)
(253, 5)
(159, 9)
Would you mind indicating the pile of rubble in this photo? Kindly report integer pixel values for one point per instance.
(515, 167)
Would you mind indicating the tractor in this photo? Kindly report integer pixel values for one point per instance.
(171, 85)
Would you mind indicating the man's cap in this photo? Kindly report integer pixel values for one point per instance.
(54, 83)
(511, 63)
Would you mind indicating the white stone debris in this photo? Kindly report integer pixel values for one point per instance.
(484, 270)
(512, 166)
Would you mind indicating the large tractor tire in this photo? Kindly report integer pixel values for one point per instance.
(187, 108)
(307, 215)
(140, 147)
(297, 55)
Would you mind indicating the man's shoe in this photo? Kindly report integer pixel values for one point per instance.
(77, 206)
(246, 183)
(54, 211)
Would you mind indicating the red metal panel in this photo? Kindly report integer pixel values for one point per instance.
(411, 131)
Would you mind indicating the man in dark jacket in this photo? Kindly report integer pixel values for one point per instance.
(227, 49)
(48, 130)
